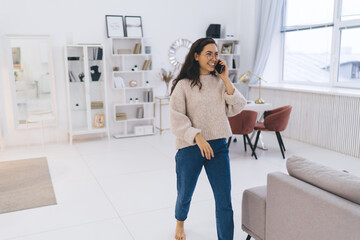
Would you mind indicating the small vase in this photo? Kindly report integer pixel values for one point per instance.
(166, 89)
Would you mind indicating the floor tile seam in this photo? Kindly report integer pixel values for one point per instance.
(154, 145)
(84, 155)
(61, 228)
(103, 151)
(22, 157)
(136, 173)
(264, 161)
(83, 158)
(118, 151)
(275, 164)
(79, 180)
(158, 148)
(106, 195)
(109, 200)
(87, 165)
(60, 183)
(163, 208)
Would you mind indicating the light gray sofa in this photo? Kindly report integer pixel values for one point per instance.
(312, 202)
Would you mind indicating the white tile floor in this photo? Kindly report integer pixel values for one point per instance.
(125, 189)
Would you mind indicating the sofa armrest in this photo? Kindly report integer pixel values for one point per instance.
(296, 210)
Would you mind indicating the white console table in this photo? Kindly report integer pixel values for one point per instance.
(260, 108)
(2, 140)
(162, 101)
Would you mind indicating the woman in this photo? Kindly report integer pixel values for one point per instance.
(201, 99)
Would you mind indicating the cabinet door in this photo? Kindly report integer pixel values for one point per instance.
(96, 93)
(77, 89)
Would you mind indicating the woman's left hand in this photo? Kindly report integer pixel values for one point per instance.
(225, 74)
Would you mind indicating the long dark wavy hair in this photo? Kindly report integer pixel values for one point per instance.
(191, 67)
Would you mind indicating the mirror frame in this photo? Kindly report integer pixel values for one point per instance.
(53, 117)
(173, 49)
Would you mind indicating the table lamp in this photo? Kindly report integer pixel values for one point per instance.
(245, 78)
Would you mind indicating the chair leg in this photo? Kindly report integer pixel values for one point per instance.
(251, 146)
(281, 147)
(244, 139)
(248, 237)
(282, 143)
(257, 139)
(229, 141)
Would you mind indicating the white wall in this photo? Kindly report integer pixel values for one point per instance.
(249, 21)
(83, 21)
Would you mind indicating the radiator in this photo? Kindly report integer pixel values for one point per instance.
(329, 121)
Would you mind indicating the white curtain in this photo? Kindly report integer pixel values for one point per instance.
(270, 16)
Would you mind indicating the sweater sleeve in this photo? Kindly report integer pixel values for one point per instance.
(180, 123)
(234, 103)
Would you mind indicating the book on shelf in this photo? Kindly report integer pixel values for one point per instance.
(120, 116)
(137, 49)
(97, 105)
(71, 76)
(124, 51)
(148, 96)
(146, 65)
(99, 54)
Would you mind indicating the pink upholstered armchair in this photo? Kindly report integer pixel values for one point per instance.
(274, 120)
(243, 124)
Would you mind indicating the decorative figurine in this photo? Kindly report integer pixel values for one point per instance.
(95, 74)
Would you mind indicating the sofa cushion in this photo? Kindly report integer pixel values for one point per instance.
(340, 183)
(254, 212)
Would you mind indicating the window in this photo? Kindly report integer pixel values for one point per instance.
(307, 55)
(350, 9)
(349, 61)
(321, 46)
(306, 12)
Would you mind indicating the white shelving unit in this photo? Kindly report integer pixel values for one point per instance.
(233, 58)
(133, 110)
(2, 140)
(86, 90)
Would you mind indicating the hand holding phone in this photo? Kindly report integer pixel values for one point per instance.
(219, 68)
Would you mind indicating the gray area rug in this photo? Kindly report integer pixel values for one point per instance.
(25, 184)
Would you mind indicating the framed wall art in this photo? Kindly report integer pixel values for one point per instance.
(133, 26)
(114, 26)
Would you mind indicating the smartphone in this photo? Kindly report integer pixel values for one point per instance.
(219, 68)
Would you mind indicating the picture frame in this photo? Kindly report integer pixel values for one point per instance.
(114, 26)
(99, 120)
(16, 57)
(226, 48)
(133, 26)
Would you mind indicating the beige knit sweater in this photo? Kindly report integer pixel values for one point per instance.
(205, 111)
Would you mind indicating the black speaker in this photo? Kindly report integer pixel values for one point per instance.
(213, 31)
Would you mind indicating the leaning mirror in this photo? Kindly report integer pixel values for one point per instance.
(178, 51)
(31, 79)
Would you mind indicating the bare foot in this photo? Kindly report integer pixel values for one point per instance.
(179, 232)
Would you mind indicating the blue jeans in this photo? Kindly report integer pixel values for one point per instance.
(189, 163)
